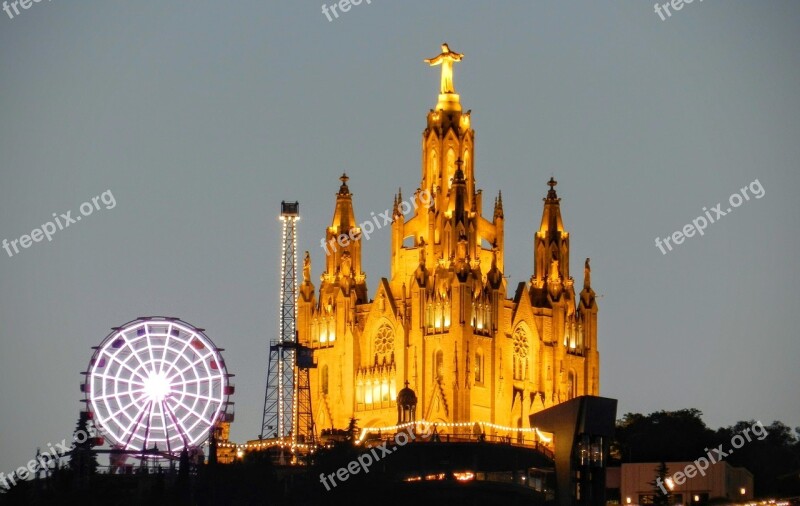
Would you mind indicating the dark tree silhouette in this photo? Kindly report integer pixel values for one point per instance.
(660, 492)
(83, 462)
(352, 430)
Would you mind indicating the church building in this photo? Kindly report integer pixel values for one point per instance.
(446, 324)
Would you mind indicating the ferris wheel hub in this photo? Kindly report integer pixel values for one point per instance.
(157, 386)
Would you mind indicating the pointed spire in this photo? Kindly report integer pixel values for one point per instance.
(342, 246)
(551, 246)
(343, 217)
(551, 217)
(397, 212)
(498, 206)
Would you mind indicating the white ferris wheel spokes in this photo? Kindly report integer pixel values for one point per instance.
(157, 382)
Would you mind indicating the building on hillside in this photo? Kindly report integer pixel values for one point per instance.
(719, 481)
(443, 322)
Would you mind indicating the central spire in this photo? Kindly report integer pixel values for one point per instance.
(448, 98)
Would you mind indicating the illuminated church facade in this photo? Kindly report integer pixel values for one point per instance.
(443, 323)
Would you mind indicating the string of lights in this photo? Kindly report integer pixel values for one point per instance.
(484, 425)
(293, 446)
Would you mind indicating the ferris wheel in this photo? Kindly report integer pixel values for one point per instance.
(157, 382)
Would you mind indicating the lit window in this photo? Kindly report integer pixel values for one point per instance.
(385, 390)
(368, 393)
(376, 391)
(360, 392)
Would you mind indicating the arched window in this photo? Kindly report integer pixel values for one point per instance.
(482, 316)
(478, 367)
(572, 385)
(438, 366)
(327, 330)
(385, 390)
(520, 354)
(331, 329)
(368, 392)
(429, 316)
(376, 390)
(433, 167)
(451, 167)
(323, 331)
(360, 391)
(324, 380)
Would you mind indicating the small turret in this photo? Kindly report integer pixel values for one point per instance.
(498, 206)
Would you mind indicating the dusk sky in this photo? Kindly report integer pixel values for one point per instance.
(200, 117)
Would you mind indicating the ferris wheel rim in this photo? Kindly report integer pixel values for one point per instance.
(167, 387)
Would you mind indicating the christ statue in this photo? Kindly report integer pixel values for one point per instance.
(446, 59)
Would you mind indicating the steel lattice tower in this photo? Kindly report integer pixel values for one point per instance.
(278, 420)
(304, 430)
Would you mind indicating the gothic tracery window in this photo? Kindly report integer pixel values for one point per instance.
(482, 316)
(384, 343)
(437, 313)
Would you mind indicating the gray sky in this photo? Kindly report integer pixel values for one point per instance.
(200, 117)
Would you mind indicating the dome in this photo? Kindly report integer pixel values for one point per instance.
(406, 397)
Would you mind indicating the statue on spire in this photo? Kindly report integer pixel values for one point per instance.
(307, 268)
(587, 275)
(446, 59)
